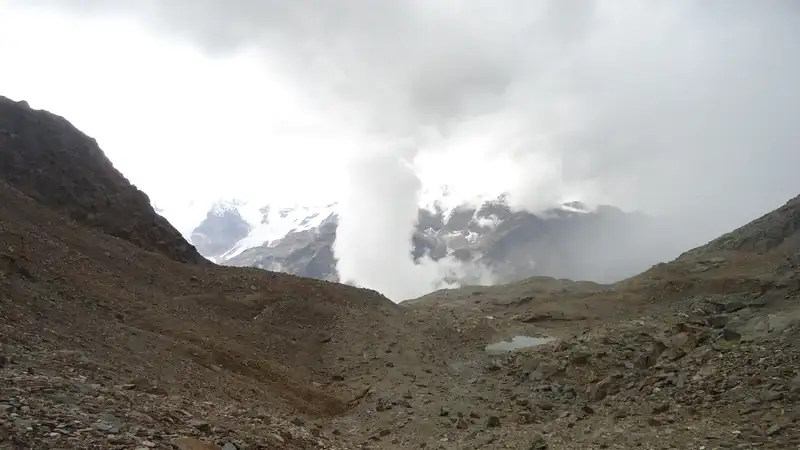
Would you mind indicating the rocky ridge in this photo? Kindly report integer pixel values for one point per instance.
(48, 159)
(779, 228)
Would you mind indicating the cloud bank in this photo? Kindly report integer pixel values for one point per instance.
(680, 108)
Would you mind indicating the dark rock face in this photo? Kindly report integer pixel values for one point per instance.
(220, 231)
(46, 158)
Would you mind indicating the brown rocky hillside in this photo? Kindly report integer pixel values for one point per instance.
(107, 316)
(44, 157)
(778, 229)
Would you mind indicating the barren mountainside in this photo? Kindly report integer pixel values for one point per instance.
(114, 334)
(92, 305)
(774, 230)
(43, 156)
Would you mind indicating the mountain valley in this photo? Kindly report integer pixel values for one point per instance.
(115, 333)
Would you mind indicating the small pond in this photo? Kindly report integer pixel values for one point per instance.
(516, 343)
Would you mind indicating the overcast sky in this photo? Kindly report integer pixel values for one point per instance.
(675, 107)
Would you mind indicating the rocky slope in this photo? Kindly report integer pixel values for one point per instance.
(109, 340)
(47, 159)
(773, 231)
(114, 344)
(570, 241)
(673, 358)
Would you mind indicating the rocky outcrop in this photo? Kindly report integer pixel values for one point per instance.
(45, 157)
(774, 230)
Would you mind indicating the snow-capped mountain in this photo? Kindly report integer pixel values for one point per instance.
(221, 230)
(234, 226)
(570, 241)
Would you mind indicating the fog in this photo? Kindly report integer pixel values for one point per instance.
(682, 109)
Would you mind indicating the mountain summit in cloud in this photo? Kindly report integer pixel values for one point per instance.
(484, 244)
(681, 109)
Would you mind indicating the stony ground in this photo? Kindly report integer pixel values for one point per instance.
(705, 371)
(47, 401)
(711, 371)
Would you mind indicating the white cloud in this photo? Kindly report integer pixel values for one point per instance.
(677, 107)
(182, 126)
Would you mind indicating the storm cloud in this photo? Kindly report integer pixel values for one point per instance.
(684, 109)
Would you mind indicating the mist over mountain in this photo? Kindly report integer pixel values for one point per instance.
(677, 108)
(480, 243)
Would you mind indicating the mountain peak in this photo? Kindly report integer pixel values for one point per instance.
(575, 206)
(221, 207)
(234, 226)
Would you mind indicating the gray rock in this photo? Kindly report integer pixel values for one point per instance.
(731, 382)
(716, 260)
(537, 442)
(662, 408)
(777, 324)
(545, 405)
(729, 334)
(766, 299)
(22, 424)
(602, 389)
(771, 396)
(699, 268)
(717, 321)
(201, 425)
(109, 424)
(733, 306)
(526, 417)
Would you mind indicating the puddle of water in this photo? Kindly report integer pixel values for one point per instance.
(516, 343)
